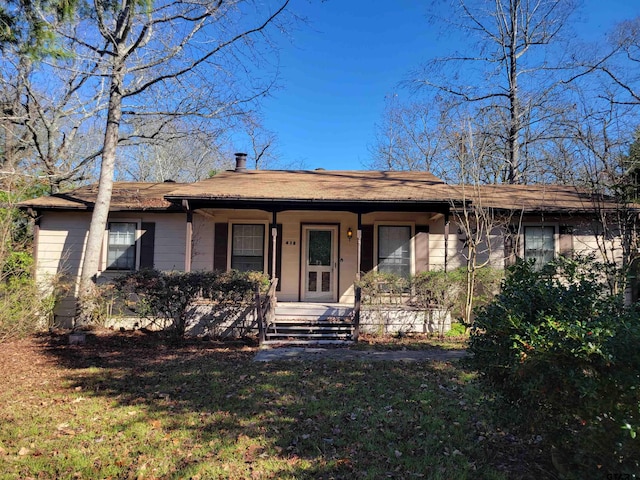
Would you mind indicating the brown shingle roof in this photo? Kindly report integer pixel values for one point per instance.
(532, 198)
(320, 185)
(126, 196)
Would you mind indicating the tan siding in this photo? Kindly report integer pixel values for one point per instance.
(202, 253)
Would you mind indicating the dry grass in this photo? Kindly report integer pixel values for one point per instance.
(127, 406)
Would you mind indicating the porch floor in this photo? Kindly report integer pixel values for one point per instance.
(313, 311)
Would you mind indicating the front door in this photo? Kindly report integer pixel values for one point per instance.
(319, 275)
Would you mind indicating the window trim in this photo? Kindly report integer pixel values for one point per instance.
(265, 240)
(105, 244)
(412, 246)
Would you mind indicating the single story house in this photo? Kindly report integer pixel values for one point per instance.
(316, 231)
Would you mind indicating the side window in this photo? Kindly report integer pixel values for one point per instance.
(394, 253)
(247, 247)
(121, 246)
(539, 245)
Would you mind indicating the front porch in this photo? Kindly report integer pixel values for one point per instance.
(339, 323)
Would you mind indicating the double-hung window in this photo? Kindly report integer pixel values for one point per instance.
(394, 250)
(247, 247)
(121, 246)
(539, 245)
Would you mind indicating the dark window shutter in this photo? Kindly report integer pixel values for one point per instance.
(220, 243)
(147, 244)
(565, 246)
(366, 252)
(278, 255)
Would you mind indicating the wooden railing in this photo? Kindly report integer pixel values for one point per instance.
(266, 308)
(356, 312)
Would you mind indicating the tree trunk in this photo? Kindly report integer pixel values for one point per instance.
(514, 107)
(91, 263)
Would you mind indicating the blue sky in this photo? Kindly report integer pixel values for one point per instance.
(336, 71)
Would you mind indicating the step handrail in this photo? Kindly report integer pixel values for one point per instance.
(356, 312)
(266, 308)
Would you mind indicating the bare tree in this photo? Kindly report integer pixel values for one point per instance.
(603, 136)
(480, 226)
(263, 143)
(55, 120)
(408, 138)
(188, 150)
(510, 75)
(165, 59)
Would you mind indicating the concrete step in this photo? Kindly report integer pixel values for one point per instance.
(309, 330)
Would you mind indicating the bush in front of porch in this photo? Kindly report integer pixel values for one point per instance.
(437, 295)
(167, 297)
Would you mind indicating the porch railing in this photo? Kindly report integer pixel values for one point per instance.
(356, 312)
(266, 308)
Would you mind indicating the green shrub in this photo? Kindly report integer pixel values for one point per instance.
(446, 290)
(564, 354)
(384, 288)
(457, 330)
(24, 309)
(169, 295)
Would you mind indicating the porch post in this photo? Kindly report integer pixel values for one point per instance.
(359, 247)
(188, 239)
(446, 240)
(274, 237)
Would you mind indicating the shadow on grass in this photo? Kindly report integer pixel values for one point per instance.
(209, 411)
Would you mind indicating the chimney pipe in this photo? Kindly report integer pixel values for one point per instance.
(241, 162)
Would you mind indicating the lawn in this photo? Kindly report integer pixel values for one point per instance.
(127, 406)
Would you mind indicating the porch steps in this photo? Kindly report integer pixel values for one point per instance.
(307, 323)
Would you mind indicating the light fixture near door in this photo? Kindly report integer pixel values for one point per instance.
(349, 233)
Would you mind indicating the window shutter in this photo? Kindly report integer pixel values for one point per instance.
(278, 255)
(147, 245)
(565, 246)
(366, 258)
(220, 243)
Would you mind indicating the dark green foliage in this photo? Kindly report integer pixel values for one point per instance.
(566, 357)
(169, 295)
(22, 25)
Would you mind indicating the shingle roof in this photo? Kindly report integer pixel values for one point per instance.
(318, 185)
(533, 198)
(126, 196)
(322, 185)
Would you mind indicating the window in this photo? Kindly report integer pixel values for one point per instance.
(247, 247)
(121, 246)
(539, 245)
(394, 254)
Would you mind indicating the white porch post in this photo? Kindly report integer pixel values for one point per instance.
(446, 240)
(274, 238)
(189, 238)
(359, 247)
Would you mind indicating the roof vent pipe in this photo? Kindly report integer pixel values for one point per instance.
(241, 162)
